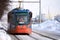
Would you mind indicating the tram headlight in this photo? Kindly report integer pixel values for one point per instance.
(21, 22)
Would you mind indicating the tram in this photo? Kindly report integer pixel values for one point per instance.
(20, 21)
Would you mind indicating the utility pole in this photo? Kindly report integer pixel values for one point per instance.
(19, 1)
(40, 10)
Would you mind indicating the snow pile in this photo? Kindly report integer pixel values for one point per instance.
(4, 35)
(35, 26)
(51, 25)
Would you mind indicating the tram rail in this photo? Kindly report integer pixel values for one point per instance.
(33, 36)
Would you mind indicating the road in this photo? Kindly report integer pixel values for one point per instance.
(32, 36)
(36, 36)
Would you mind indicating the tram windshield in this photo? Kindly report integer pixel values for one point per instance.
(22, 19)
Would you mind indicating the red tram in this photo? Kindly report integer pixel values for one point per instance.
(20, 21)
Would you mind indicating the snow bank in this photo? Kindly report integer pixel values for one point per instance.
(35, 26)
(4, 35)
(49, 25)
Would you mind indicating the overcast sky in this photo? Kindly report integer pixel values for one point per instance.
(52, 5)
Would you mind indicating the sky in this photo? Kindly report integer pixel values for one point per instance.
(52, 5)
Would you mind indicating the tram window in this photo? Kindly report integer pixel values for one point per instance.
(22, 19)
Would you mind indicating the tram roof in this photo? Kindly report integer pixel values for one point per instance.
(21, 10)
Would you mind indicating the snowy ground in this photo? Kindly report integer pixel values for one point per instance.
(49, 26)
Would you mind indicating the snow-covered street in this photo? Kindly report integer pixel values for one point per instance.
(49, 28)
